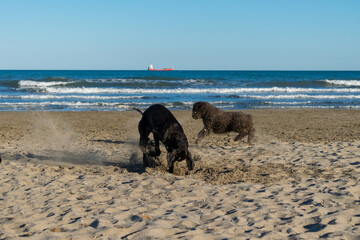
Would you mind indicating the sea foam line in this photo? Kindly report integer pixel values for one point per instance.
(344, 82)
(31, 84)
(300, 96)
(198, 90)
(93, 97)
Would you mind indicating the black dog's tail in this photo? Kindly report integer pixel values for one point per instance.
(134, 108)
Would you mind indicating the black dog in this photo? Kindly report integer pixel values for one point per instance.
(218, 121)
(165, 128)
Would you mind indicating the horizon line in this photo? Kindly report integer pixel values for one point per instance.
(263, 70)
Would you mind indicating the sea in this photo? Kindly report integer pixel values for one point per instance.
(103, 90)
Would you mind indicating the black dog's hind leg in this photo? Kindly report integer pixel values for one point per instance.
(144, 132)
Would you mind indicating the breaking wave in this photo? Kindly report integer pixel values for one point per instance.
(347, 83)
(83, 90)
(37, 84)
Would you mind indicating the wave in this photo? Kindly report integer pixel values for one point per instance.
(348, 83)
(38, 84)
(101, 105)
(287, 103)
(307, 107)
(95, 90)
(97, 97)
(298, 96)
(93, 97)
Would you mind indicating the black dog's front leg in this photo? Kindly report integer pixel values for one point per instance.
(190, 162)
(171, 160)
(157, 145)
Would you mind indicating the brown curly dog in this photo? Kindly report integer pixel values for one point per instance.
(219, 121)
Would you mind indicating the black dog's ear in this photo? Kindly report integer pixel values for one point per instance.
(169, 130)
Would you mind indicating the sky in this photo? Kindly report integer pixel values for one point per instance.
(186, 34)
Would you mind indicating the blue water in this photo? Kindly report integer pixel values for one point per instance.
(23, 90)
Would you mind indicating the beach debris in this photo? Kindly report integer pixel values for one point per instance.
(94, 224)
(136, 218)
(57, 230)
(147, 217)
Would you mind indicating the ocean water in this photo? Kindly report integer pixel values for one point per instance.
(23, 90)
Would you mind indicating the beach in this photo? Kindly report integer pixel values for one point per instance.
(79, 175)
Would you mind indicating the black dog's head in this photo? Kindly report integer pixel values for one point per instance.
(179, 155)
(177, 148)
(198, 110)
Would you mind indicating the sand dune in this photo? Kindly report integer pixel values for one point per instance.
(79, 175)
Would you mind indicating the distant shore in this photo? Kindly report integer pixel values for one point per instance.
(80, 175)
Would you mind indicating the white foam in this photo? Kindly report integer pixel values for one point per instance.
(95, 90)
(147, 81)
(308, 107)
(300, 96)
(288, 103)
(36, 84)
(48, 97)
(355, 83)
(92, 97)
(97, 97)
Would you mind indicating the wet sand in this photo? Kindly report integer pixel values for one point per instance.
(79, 175)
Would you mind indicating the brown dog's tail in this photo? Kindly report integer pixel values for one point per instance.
(134, 108)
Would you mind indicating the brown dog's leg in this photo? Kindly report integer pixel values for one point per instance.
(241, 135)
(203, 133)
(251, 135)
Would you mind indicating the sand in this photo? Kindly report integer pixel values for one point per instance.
(79, 175)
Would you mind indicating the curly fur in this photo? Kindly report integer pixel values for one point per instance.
(218, 121)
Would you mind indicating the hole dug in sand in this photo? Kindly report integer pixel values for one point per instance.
(240, 163)
(266, 174)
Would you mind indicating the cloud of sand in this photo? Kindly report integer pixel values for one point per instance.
(52, 134)
(55, 140)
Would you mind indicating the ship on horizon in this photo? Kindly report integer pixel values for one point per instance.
(151, 68)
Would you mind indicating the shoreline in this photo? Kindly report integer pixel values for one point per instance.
(79, 175)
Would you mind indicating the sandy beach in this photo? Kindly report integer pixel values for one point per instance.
(79, 175)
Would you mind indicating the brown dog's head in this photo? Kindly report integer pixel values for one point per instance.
(199, 109)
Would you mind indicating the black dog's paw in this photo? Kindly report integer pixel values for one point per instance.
(153, 153)
(150, 161)
(190, 165)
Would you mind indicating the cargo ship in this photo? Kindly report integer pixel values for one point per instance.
(151, 68)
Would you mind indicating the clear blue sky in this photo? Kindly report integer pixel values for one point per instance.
(186, 34)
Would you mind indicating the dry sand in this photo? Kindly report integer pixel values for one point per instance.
(79, 175)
